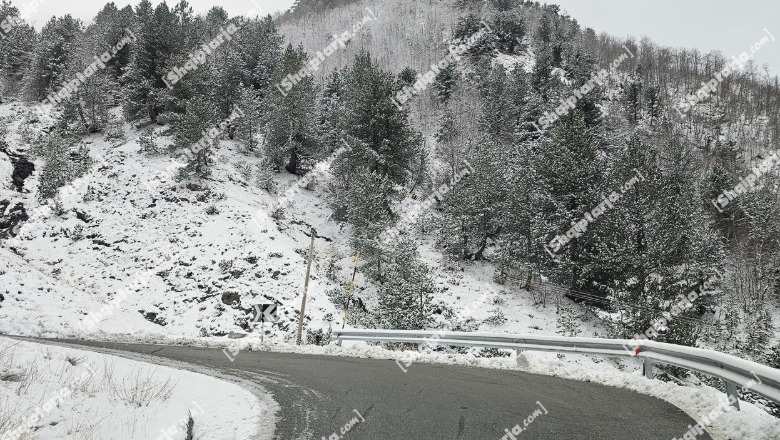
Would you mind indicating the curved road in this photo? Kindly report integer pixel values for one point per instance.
(318, 396)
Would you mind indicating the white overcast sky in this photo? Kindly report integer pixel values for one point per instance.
(726, 25)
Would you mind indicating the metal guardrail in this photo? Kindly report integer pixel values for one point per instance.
(734, 371)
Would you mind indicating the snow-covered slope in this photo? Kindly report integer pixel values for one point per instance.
(132, 251)
(50, 392)
(152, 253)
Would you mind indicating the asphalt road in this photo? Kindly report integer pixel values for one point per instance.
(318, 395)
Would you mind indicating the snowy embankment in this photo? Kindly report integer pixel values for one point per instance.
(50, 392)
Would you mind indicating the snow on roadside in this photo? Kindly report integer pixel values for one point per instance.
(68, 393)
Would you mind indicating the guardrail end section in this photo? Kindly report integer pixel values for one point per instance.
(732, 394)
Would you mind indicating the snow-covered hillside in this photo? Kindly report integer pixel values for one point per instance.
(152, 252)
(131, 239)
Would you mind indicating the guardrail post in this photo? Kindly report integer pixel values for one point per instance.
(647, 369)
(733, 394)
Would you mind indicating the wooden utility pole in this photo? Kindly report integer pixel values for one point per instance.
(306, 287)
(351, 289)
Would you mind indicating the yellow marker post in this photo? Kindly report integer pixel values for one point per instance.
(351, 289)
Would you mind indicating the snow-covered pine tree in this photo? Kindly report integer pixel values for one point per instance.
(407, 77)
(329, 113)
(195, 135)
(406, 295)
(248, 125)
(568, 171)
(290, 126)
(633, 94)
(147, 142)
(657, 244)
(446, 81)
(61, 163)
(264, 175)
(499, 110)
(449, 151)
(509, 29)
(261, 50)
(87, 108)
(223, 71)
(156, 47)
(53, 50)
(16, 48)
(110, 26)
(469, 26)
(371, 117)
(470, 206)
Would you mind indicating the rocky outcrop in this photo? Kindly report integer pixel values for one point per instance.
(11, 218)
(22, 168)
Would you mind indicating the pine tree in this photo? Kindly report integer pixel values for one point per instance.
(657, 244)
(156, 44)
(503, 5)
(147, 142)
(360, 196)
(470, 204)
(264, 175)
(542, 71)
(446, 145)
(291, 131)
(261, 50)
(248, 125)
(466, 28)
(509, 30)
(405, 298)
(371, 118)
(407, 78)
(196, 135)
(16, 47)
(88, 106)
(329, 113)
(62, 165)
(499, 115)
(446, 81)
(54, 48)
(224, 68)
(567, 169)
(110, 26)
(634, 94)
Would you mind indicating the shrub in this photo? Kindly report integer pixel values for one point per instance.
(147, 142)
(496, 318)
(318, 337)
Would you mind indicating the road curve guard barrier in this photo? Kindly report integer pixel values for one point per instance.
(734, 371)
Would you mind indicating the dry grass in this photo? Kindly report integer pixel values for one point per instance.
(10, 416)
(83, 427)
(138, 389)
(11, 371)
(18, 379)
